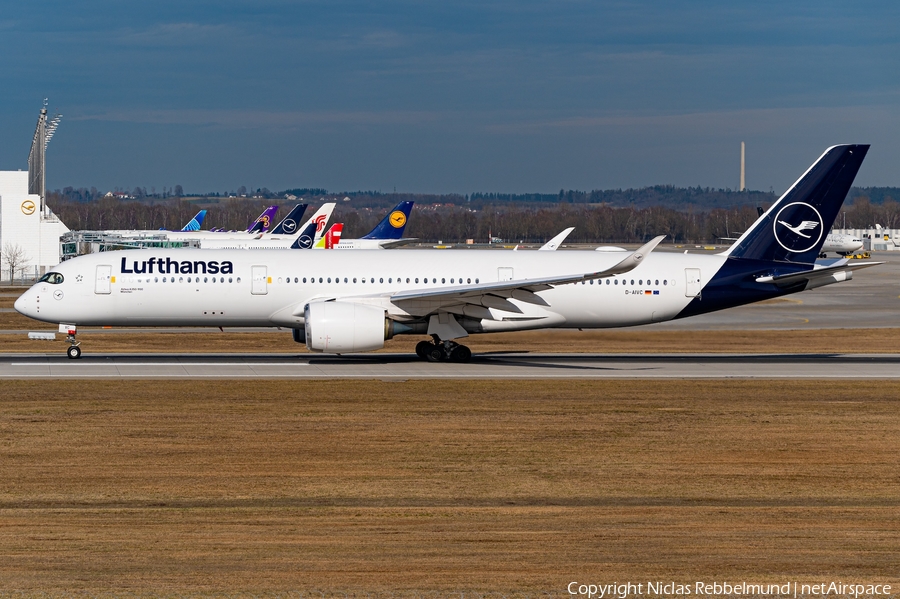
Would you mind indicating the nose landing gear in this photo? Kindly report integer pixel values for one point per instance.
(74, 351)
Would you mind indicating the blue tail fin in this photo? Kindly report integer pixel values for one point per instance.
(196, 222)
(794, 228)
(392, 225)
(305, 239)
(288, 225)
(263, 221)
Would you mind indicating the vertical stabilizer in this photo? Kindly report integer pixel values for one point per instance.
(290, 224)
(264, 220)
(392, 225)
(794, 228)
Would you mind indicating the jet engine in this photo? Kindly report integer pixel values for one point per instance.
(341, 327)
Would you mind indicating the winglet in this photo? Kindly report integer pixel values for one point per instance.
(634, 258)
(556, 241)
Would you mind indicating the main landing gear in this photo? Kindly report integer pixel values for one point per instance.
(443, 351)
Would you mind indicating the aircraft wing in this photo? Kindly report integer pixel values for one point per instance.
(395, 243)
(497, 294)
(841, 270)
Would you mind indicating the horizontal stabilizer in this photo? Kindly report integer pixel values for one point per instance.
(816, 274)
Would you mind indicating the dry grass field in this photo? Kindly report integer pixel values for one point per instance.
(181, 487)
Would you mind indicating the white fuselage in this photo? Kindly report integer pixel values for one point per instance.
(170, 287)
(841, 243)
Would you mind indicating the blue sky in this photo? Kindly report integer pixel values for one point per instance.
(449, 96)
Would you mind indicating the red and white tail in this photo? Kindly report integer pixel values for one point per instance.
(333, 235)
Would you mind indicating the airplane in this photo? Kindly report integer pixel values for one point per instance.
(195, 223)
(288, 225)
(189, 232)
(344, 302)
(305, 237)
(263, 221)
(331, 238)
(840, 243)
(387, 234)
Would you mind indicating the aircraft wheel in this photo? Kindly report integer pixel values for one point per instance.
(435, 354)
(422, 349)
(461, 354)
(74, 352)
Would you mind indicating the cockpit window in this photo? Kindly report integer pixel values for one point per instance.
(54, 278)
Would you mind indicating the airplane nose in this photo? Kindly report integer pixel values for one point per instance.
(21, 304)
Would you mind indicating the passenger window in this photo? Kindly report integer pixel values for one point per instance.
(238, 279)
(354, 279)
(417, 279)
(164, 279)
(632, 282)
(657, 282)
(329, 279)
(320, 279)
(451, 281)
(617, 281)
(156, 279)
(204, 279)
(443, 280)
(391, 280)
(664, 281)
(407, 279)
(476, 281)
(229, 279)
(345, 279)
(468, 280)
(381, 280)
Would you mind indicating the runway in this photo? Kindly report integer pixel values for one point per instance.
(497, 366)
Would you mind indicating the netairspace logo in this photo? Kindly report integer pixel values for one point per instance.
(624, 590)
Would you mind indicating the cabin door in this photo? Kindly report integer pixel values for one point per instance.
(693, 285)
(102, 281)
(259, 281)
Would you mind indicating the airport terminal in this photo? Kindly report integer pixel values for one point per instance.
(29, 231)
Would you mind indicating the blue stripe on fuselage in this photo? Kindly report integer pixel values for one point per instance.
(735, 285)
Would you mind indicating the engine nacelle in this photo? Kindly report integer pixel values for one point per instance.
(340, 327)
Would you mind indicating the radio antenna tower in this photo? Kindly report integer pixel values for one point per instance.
(37, 162)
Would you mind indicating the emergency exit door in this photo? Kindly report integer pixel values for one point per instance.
(259, 282)
(693, 286)
(102, 281)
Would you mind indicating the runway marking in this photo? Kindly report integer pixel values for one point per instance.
(121, 364)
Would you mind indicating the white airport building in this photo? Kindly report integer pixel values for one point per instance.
(29, 231)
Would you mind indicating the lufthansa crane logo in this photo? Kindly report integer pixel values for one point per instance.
(28, 207)
(798, 227)
(289, 225)
(305, 241)
(398, 219)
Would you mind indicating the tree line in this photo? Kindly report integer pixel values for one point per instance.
(528, 222)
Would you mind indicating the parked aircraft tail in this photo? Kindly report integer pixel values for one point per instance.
(392, 225)
(306, 238)
(290, 224)
(263, 221)
(794, 228)
(331, 238)
(195, 223)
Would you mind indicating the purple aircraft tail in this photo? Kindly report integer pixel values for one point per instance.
(264, 221)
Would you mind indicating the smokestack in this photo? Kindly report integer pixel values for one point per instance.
(742, 166)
